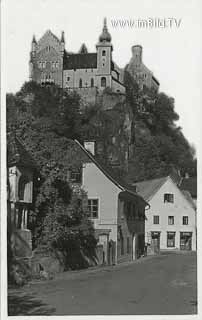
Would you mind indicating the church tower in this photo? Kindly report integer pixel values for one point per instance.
(104, 58)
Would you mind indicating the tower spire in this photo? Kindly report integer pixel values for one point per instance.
(105, 36)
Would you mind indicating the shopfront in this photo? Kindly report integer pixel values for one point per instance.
(185, 240)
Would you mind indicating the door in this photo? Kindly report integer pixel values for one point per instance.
(103, 240)
(186, 241)
(155, 242)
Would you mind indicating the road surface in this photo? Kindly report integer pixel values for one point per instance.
(164, 284)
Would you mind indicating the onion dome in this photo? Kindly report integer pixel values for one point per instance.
(105, 36)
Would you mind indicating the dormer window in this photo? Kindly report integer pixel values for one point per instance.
(168, 197)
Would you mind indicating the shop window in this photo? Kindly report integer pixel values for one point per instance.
(168, 197)
(185, 220)
(93, 206)
(155, 219)
(170, 239)
(171, 220)
(103, 82)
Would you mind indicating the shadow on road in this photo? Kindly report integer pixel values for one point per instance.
(23, 304)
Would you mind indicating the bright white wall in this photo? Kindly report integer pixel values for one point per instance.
(98, 186)
(178, 209)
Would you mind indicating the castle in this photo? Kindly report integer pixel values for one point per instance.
(88, 73)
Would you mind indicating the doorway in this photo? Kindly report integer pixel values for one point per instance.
(155, 242)
(186, 241)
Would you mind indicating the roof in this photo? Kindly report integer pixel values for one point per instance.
(189, 198)
(148, 188)
(111, 175)
(17, 153)
(80, 61)
(189, 184)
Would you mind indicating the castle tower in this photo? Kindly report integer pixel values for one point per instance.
(104, 57)
(137, 54)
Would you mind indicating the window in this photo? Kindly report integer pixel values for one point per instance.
(170, 239)
(103, 82)
(128, 245)
(185, 220)
(171, 220)
(103, 53)
(68, 78)
(168, 197)
(93, 208)
(80, 83)
(76, 176)
(155, 219)
(92, 82)
(22, 187)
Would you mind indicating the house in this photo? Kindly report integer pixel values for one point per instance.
(21, 168)
(171, 219)
(117, 211)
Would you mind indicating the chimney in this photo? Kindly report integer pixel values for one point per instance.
(90, 146)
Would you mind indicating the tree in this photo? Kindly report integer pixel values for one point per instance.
(46, 119)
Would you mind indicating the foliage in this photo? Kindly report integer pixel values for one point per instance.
(160, 146)
(46, 119)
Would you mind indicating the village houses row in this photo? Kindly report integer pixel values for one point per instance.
(128, 220)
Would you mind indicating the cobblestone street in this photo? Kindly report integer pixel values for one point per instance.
(164, 284)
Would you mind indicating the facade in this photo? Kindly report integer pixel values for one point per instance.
(21, 170)
(117, 212)
(142, 75)
(88, 73)
(171, 220)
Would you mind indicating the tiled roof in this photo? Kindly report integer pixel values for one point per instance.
(17, 154)
(189, 184)
(149, 187)
(189, 198)
(111, 175)
(80, 61)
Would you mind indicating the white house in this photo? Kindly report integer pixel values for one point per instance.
(117, 211)
(171, 220)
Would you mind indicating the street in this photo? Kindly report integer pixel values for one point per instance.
(164, 284)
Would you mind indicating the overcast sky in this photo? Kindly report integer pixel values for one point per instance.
(172, 53)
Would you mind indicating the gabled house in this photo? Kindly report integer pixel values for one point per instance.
(117, 211)
(171, 219)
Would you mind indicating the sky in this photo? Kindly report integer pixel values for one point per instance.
(172, 51)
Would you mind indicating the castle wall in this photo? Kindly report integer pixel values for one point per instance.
(72, 77)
